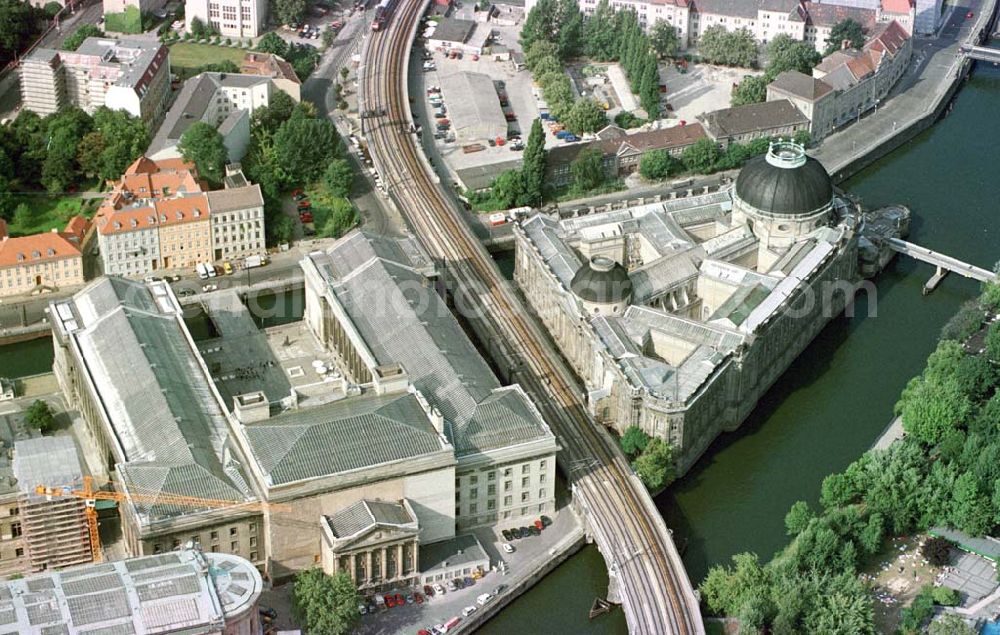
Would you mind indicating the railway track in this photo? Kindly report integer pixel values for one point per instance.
(656, 594)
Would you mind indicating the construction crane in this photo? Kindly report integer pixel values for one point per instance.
(90, 496)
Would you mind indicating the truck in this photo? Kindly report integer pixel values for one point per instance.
(497, 218)
(254, 261)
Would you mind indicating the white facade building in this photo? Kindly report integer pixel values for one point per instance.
(231, 18)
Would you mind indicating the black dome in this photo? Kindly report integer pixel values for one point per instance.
(602, 280)
(785, 181)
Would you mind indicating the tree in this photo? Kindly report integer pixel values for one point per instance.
(731, 48)
(272, 43)
(533, 166)
(545, 65)
(842, 613)
(558, 93)
(570, 30)
(23, 217)
(540, 50)
(847, 30)
(89, 153)
(950, 624)
(657, 165)
(649, 87)
(871, 536)
(198, 28)
(787, 54)
(202, 145)
(286, 11)
(663, 38)
(125, 138)
(752, 90)
(338, 177)
(344, 72)
(507, 189)
(633, 441)
(655, 466)
(802, 137)
(326, 605)
(600, 36)
(39, 415)
(931, 408)
(19, 23)
(798, 518)
(945, 596)
(303, 146)
(539, 25)
(587, 170)
(701, 156)
(993, 342)
(342, 218)
(267, 119)
(76, 38)
(585, 116)
(971, 510)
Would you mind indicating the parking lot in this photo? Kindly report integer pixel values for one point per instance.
(410, 618)
(321, 15)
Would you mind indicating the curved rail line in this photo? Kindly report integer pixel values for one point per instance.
(656, 594)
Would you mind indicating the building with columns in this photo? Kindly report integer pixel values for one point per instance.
(374, 542)
(677, 316)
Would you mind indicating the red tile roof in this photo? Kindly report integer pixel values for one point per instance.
(897, 6)
(37, 248)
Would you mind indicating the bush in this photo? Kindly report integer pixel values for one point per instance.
(967, 321)
(633, 441)
(921, 610)
(655, 466)
(945, 596)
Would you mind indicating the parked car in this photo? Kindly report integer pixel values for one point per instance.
(499, 589)
(306, 217)
(508, 548)
(428, 591)
(209, 287)
(525, 532)
(534, 531)
(451, 585)
(439, 589)
(184, 293)
(459, 583)
(483, 598)
(546, 521)
(409, 598)
(570, 138)
(506, 534)
(439, 629)
(418, 598)
(389, 601)
(968, 16)
(400, 600)
(469, 610)
(362, 608)
(268, 611)
(468, 581)
(443, 122)
(538, 523)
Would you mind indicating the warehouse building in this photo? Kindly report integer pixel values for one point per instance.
(473, 107)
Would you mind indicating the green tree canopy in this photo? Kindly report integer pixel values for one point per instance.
(701, 156)
(202, 145)
(798, 518)
(655, 466)
(787, 54)
(338, 177)
(585, 116)
(600, 33)
(19, 24)
(950, 624)
(39, 415)
(730, 48)
(634, 440)
(539, 50)
(286, 11)
(663, 37)
(533, 166)
(508, 188)
(303, 146)
(587, 170)
(341, 218)
(81, 33)
(326, 605)
(657, 165)
(848, 30)
(752, 90)
(273, 43)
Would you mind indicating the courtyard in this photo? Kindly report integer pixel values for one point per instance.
(702, 88)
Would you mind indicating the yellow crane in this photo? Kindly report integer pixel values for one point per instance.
(91, 495)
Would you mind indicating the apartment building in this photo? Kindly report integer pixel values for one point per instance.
(766, 19)
(160, 216)
(743, 124)
(48, 260)
(231, 18)
(127, 74)
(847, 83)
(224, 100)
(274, 67)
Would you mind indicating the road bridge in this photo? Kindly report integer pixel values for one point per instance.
(942, 262)
(654, 589)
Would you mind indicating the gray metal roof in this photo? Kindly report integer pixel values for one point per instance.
(473, 106)
(49, 461)
(235, 199)
(402, 319)
(453, 30)
(178, 592)
(13, 430)
(168, 424)
(134, 59)
(350, 434)
(366, 514)
(457, 551)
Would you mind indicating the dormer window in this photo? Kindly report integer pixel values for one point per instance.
(51, 251)
(197, 213)
(36, 254)
(118, 225)
(180, 215)
(20, 257)
(134, 222)
(151, 220)
(163, 218)
(166, 191)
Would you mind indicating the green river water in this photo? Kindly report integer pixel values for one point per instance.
(829, 406)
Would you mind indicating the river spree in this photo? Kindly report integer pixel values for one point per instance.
(833, 402)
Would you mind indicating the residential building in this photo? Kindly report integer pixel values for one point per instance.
(802, 20)
(143, 6)
(678, 316)
(374, 542)
(371, 412)
(275, 68)
(847, 83)
(622, 151)
(927, 16)
(186, 591)
(160, 216)
(224, 100)
(13, 548)
(459, 557)
(451, 33)
(43, 83)
(231, 18)
(237, 214)
(49, 260)
(743, 124)
(127, 74)
(56, 530)
(902, 11)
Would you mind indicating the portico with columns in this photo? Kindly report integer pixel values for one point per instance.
(375, 542)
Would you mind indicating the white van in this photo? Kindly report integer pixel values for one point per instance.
(483, 599)
(202, 270)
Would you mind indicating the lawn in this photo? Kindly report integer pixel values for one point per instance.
(49, 212)
(187, 56)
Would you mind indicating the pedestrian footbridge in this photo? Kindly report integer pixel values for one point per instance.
(982, 53)
(942, 262)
